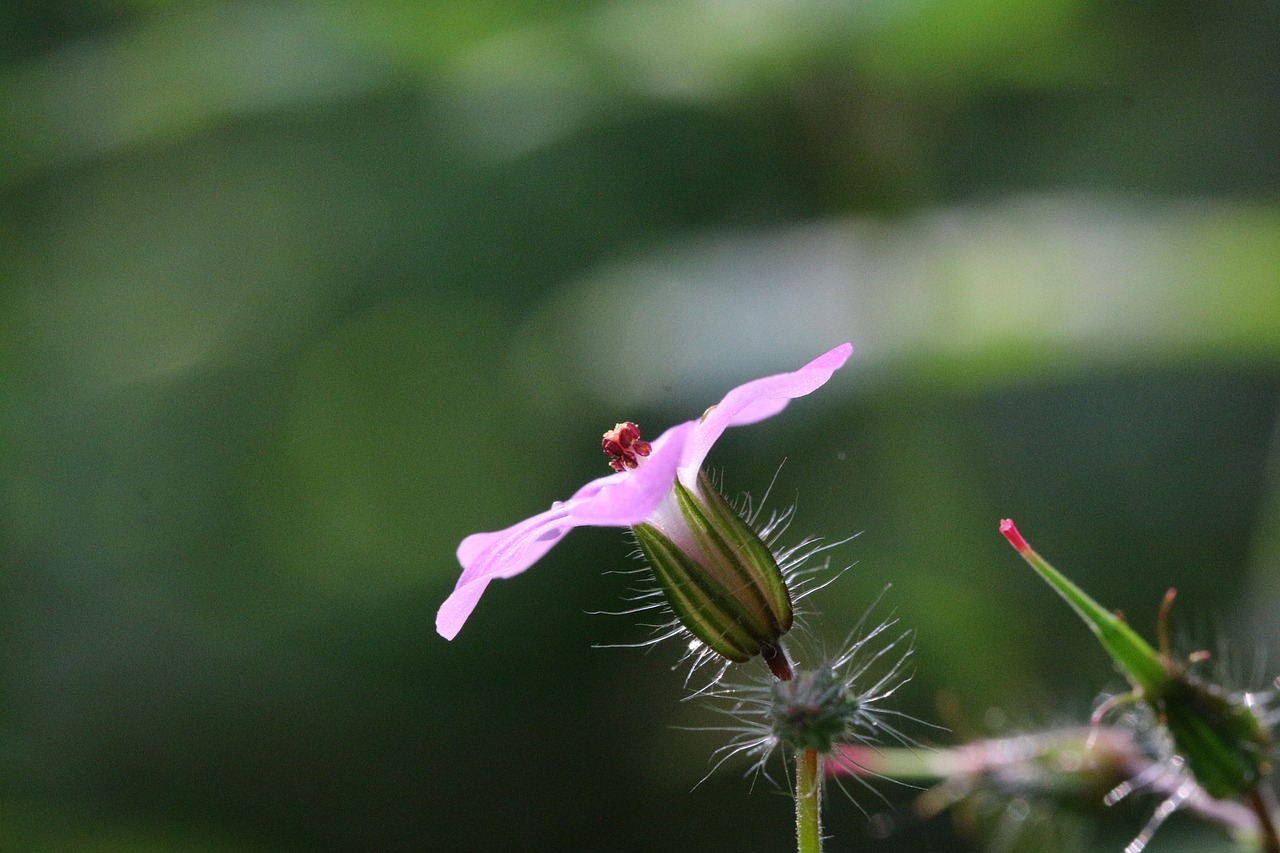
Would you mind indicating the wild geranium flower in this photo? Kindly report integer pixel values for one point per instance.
(718, 577)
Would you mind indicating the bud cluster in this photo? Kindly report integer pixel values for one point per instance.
(838, 704)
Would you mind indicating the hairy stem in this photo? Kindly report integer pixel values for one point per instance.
(808, 802)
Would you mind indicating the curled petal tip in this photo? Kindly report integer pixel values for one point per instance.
(457, 607)
(840, 354)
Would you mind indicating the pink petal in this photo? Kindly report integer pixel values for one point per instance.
(757, 400)
(453, 614)
(501, 554)
(617, 500)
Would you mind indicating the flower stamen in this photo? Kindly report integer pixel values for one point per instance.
(624, 448)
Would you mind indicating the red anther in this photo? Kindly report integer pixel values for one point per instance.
(623, 446)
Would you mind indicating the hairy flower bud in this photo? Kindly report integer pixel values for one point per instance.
(1220, 736)
(813, 710)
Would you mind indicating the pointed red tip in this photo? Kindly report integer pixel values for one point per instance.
(775, 656)
(1011, 533)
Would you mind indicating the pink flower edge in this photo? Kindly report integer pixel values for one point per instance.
(627, 498)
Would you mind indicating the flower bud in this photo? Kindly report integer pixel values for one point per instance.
(719, 578)
(813, 710)
(1225, 743)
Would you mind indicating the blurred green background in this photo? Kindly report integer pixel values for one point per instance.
(295, 295)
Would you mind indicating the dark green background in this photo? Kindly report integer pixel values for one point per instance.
(295, 295)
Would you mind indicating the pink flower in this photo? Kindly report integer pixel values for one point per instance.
(630, 496)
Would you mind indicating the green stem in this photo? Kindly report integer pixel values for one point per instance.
(808, 807)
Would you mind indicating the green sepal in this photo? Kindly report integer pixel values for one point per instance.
(701, 604)
(1221, 739)
(734, 552)
(722, 582)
